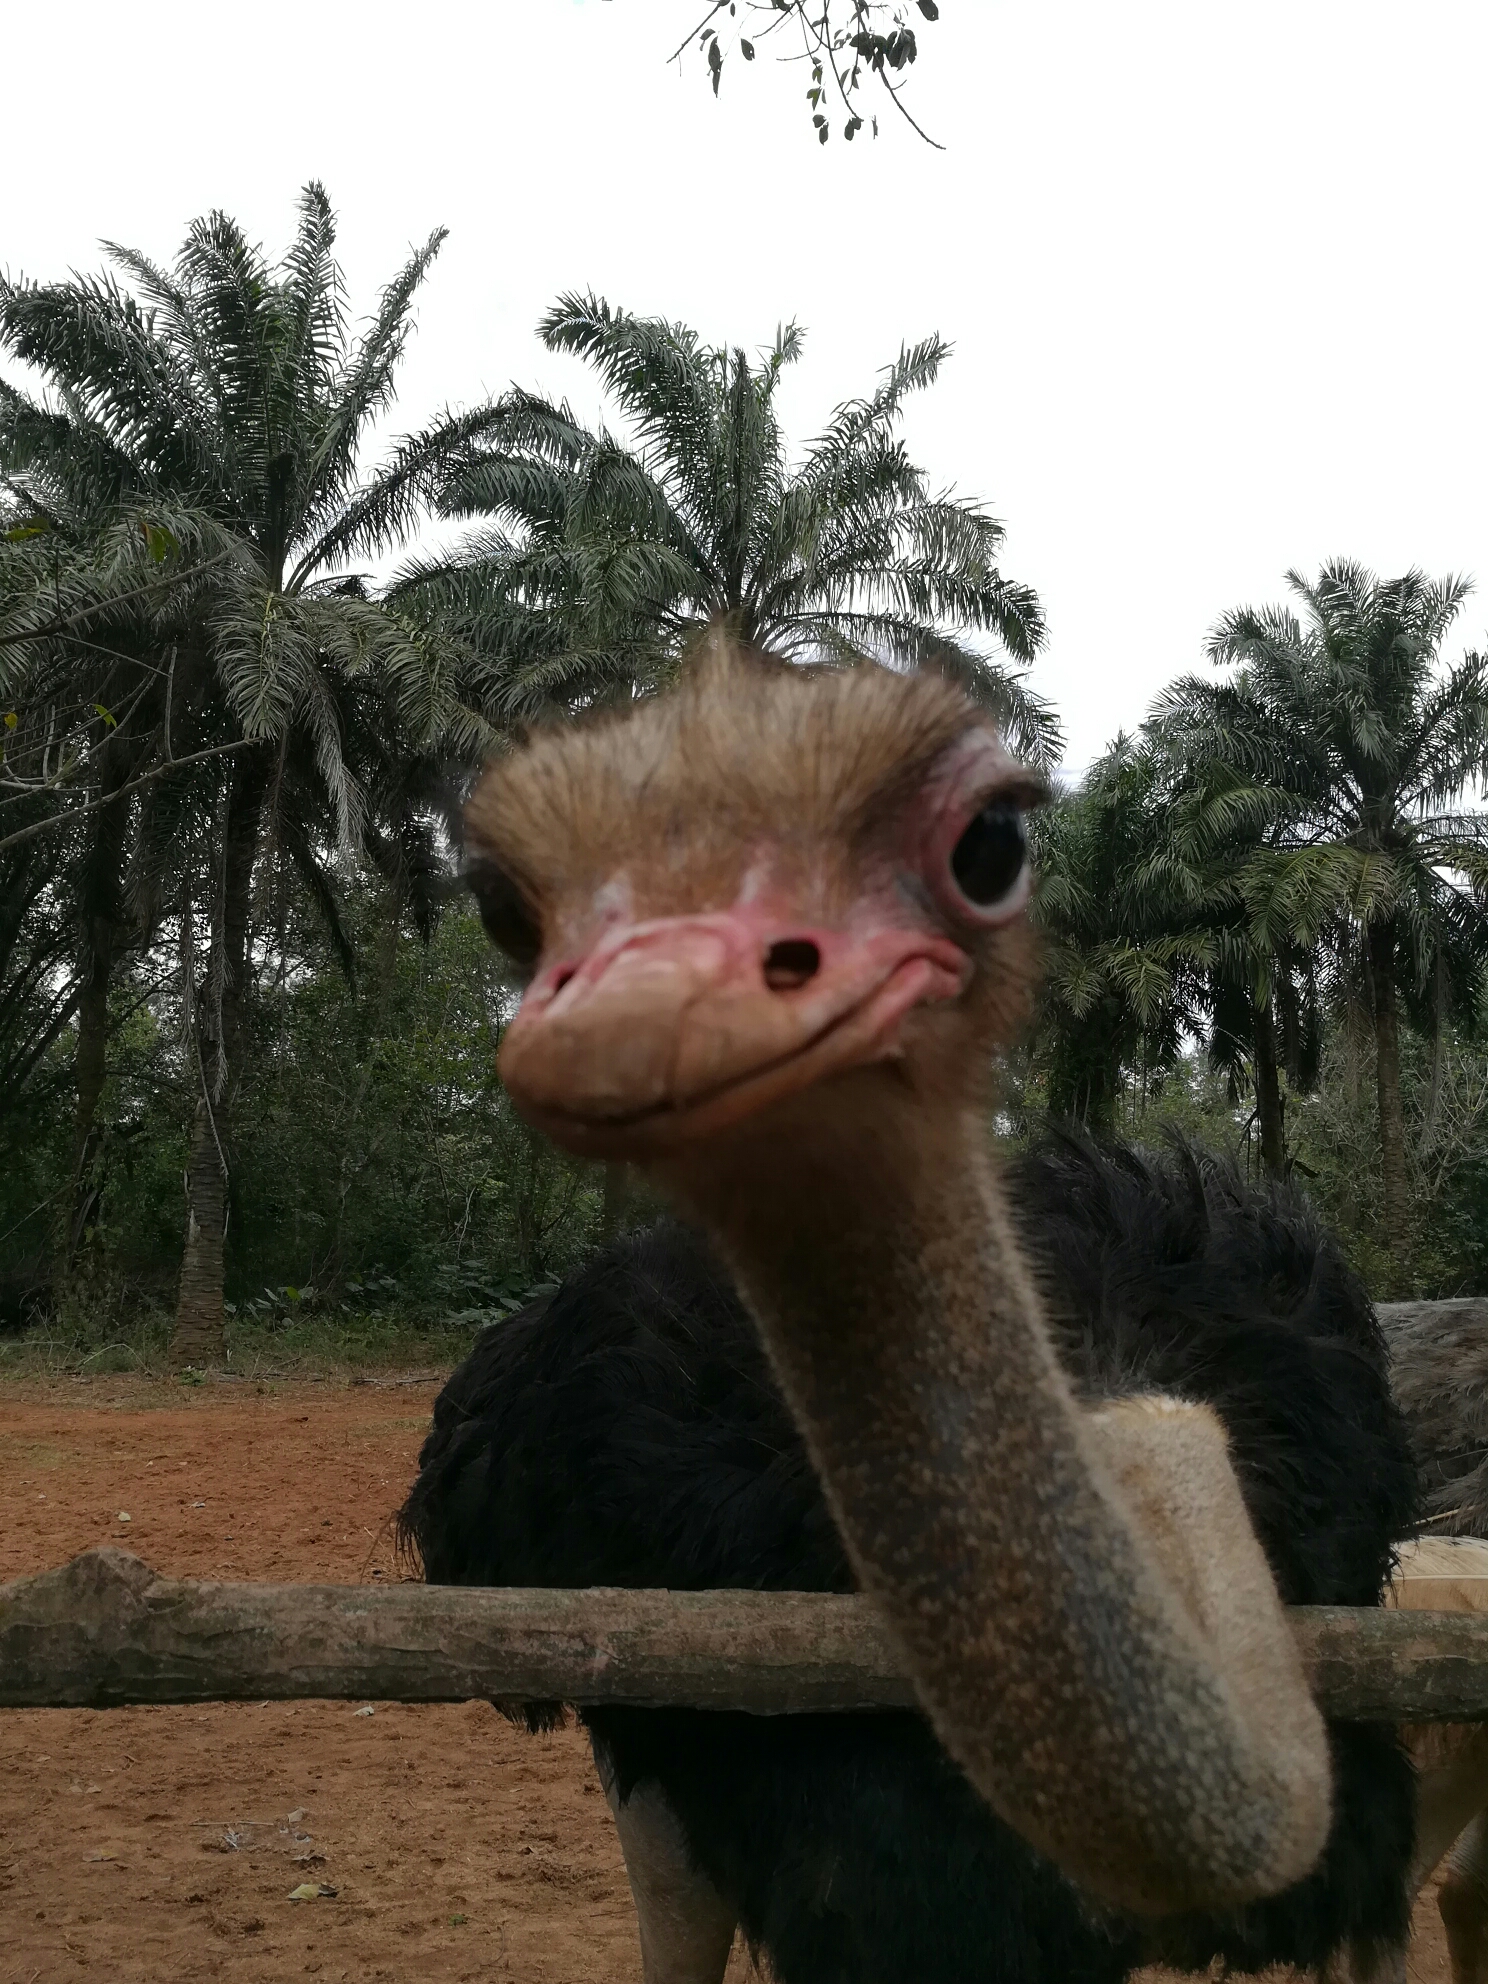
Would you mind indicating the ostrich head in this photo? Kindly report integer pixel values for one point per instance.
(771, 880)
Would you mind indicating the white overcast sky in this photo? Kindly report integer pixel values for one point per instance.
(1215, 275)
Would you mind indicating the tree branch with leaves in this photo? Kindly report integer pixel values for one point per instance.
(847, 45)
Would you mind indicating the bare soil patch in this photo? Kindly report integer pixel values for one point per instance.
(165, 1842)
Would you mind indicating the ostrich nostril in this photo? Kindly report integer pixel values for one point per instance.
(790, 963)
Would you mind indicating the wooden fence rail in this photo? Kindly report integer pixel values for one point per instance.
(104, 1631)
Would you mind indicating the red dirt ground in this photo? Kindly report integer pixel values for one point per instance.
(164, 1843)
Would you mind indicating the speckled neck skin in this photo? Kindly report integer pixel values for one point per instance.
(1053, 1655)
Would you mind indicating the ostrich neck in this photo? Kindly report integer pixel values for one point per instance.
(1049, 1649)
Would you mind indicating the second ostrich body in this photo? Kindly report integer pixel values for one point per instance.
(629, 1431)
(1439, 1358)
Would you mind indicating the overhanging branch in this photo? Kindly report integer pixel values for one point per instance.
(68, 814)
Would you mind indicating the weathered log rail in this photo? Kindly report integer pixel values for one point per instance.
(104, 1631)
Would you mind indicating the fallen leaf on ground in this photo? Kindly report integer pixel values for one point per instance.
(312, 1891)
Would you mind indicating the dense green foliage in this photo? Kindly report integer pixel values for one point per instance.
(232, 698)
(1280, 861)
(379, 1169)
(240, 989)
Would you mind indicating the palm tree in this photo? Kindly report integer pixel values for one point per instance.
(1121, 950)
(1259, 1006)
(79, 618)
(1344, 748)
(601, 558)
(1157, 930)
(1214, 882)
(223, 405)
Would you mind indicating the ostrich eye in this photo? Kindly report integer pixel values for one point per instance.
(989, 857)
(506, 913)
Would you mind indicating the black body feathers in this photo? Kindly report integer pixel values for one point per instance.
(629, 1432)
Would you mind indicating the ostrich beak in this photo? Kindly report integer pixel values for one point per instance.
(668, 1031)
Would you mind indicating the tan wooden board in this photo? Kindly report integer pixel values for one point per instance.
(1442, 1574)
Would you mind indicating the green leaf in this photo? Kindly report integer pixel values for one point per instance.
(746, 49)
(11, 719)
(33, 527)
(929, 9)
(159, 542)
(108, 716)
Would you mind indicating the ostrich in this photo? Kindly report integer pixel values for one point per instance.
(774, 929)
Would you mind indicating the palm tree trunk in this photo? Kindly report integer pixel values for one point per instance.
(90, 1064)
(1381, 940)
(198, 1338)
(100, 906)
(220, 1038)
(1268, 1094)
